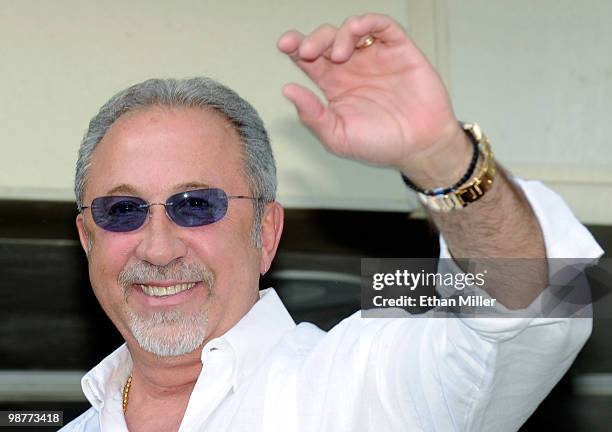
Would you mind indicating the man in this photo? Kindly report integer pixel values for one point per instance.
(176, 185)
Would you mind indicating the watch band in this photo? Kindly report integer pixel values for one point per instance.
(468, 174)
(475, 188)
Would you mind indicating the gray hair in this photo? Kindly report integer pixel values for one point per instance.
(200, 92)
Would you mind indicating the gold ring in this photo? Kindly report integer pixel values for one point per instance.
(367, 42)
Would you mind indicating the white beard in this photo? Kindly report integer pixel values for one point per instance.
(169, 333)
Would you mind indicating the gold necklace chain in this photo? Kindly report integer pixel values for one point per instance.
(126, 393)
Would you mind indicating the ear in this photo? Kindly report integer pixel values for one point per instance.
(83, 234)
(271, 230)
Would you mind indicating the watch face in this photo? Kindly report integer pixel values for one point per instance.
(473, 191)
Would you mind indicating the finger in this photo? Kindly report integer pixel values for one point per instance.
(355, 30)
(316, 116)
(289, 43)
(346, 42)
(317, 43)
(382, 27)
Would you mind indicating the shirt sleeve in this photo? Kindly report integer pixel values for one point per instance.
(448, 374)
(491, 373)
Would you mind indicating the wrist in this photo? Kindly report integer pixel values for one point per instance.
(443, 163)
(472, 186)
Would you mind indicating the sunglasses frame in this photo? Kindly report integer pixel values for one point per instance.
(143, 204)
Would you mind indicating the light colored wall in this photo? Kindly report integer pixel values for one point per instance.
(62, 59)
(535, 74)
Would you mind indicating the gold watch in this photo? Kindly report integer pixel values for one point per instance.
(473, 189)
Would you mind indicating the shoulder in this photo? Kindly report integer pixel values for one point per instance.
(353, 335)
(86, 422)
(302, 338)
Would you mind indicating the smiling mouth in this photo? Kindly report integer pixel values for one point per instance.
(159, 291)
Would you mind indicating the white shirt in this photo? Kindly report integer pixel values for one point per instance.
(269, 374)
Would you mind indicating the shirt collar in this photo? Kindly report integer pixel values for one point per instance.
(257, 333)
(251, 339)
(108, 377)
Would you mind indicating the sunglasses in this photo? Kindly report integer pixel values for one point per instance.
(187, 209)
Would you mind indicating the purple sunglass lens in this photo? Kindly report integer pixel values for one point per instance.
(119, 213)
(197, 207)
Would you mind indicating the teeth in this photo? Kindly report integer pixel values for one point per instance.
(158, 291)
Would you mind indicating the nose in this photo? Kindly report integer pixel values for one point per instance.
(161, 243)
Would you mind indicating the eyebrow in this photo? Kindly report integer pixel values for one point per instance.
(132, 191)
(123, 189)
(191, 186)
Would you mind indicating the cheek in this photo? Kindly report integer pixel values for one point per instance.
(227, 248)
(109, 255)
(238, 222)
(237, 242)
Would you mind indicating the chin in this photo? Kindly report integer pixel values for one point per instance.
(169, 333)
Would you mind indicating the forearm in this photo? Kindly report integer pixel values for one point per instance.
(499, 225)
(499, 232)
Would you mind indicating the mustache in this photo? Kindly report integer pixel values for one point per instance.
(142, 272)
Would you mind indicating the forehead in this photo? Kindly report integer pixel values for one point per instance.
(156, 150)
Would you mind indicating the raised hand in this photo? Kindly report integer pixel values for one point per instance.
(386, 105)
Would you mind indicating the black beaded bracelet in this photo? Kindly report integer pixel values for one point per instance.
(443, 191)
